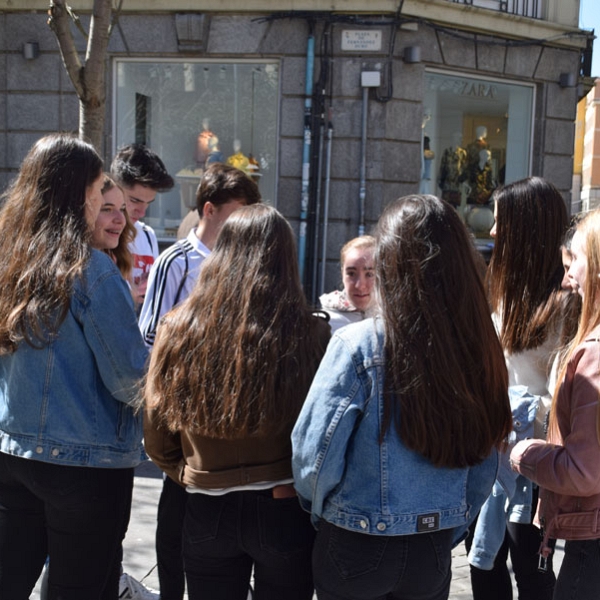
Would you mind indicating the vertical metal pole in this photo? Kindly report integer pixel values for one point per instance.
(362, 193)
(310, 60)
(326, 205)
(315, 268)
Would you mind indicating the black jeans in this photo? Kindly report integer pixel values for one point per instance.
(169, 540)
(225, 536)
(523, 542)
(77, 516)
(579, 575)
(350, 565)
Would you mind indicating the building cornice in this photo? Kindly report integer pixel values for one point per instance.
(442, 12)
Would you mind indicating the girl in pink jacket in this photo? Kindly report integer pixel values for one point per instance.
(567, 465)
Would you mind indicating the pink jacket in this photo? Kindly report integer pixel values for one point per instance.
(567, 466)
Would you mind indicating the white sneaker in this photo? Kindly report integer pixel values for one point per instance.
(132, 589)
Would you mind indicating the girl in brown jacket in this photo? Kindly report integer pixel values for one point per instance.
(229, 372)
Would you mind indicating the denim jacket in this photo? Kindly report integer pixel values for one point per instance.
(512, 493)
(70, 402)
(345, 476)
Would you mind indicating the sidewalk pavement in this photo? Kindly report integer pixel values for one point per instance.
(139, 556)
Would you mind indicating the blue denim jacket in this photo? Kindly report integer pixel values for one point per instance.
(70, 402)
(512, 493)
(344, 476)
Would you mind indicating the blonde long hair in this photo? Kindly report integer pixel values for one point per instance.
(589, 228)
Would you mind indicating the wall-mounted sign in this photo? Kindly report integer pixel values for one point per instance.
(355, 40)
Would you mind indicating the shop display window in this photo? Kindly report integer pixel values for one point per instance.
(193, 113)
(476, 135)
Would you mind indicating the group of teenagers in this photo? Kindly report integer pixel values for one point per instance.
(345, 449)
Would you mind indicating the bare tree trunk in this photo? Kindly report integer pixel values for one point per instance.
(88, 77)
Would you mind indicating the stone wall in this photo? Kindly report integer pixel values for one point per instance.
(36, 97)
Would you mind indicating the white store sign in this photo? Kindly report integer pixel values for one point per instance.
(354, 40)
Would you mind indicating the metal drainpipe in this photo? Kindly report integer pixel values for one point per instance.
(368, 79)
(362, 190)
(315, 268)
(310, 61)
(326, 204)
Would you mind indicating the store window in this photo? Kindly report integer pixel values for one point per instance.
(476, 135)
(193, 113)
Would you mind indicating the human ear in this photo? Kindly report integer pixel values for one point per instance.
(208, 209)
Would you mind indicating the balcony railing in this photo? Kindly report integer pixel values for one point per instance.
(524, 8)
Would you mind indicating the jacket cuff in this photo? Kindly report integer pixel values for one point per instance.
(518, 457)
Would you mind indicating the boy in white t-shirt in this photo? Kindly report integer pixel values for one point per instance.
(141, 174)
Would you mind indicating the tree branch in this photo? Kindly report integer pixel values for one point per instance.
(95, 60)
(59, 22)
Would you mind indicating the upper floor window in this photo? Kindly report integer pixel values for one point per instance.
(524, 8)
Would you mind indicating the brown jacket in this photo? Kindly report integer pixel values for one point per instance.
(567, 467)
(212, 463)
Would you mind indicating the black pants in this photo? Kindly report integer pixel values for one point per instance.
(77, 516)
(523, 542)
(169, 540)
(225, 536)
(579, 575)
(348, 564)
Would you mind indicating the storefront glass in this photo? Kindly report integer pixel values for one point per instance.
(476, 135)
(192, 113)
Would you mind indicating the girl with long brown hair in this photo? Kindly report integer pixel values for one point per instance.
(394, 449)
(229, 372)
(566, 466)
(70, 358)
(528, 304)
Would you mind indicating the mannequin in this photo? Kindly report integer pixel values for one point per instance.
(202, 144)
(253, 168)
(482, 183)
(237, 159)
(428, 156)
(480, 143)
(478, 171)
(214, 154)
(454, 161)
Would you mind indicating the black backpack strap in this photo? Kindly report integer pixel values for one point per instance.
(185, 274)
(148, 237)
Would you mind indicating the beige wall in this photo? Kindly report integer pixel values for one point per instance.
(590, 176)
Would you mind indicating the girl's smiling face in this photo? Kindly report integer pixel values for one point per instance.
(111, 220)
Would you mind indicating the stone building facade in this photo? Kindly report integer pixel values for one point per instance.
(403, 87)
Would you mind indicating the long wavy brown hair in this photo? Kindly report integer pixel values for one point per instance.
(44, 239)
(121, 254)
(237, 357)
(446, 383)
(525, 270)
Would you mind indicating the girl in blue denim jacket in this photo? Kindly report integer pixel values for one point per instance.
(394, 451)
(70, 358)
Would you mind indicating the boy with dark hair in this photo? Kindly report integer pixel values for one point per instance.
(141, 174)
(222, 190)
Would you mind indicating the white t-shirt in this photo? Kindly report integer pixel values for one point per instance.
(144, 249)
(531, 368)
